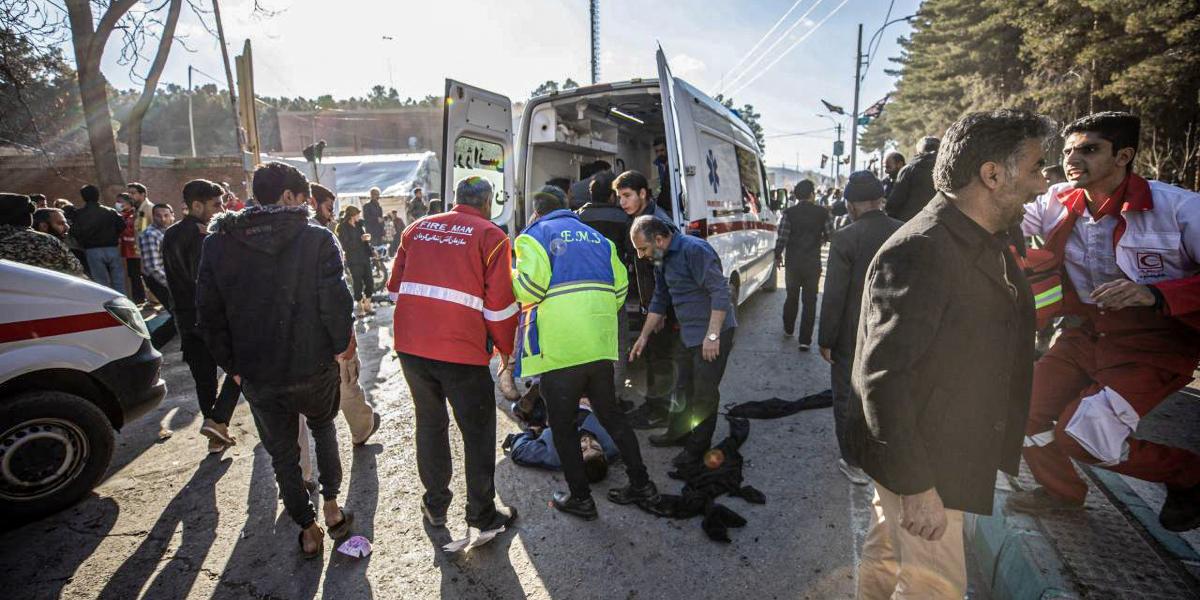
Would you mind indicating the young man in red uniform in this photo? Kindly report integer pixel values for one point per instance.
(452, 284)
(1130, 252)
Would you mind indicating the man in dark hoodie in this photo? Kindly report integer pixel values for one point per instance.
(98, 229)
(914, 184)
(293, 320)
(603, 214)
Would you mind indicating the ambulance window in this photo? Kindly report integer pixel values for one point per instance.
(751, 183)
(479, 158)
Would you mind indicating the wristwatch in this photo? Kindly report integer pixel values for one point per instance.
(712, 337)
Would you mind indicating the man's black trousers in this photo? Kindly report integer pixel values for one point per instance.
(218, 407)
(470, 391)
(661, 376)
(277, 409)
(843, 392)
(802, 281)
(701, 393)
(562, 389)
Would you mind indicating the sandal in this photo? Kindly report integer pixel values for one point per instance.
(313, 554)
(342, 529)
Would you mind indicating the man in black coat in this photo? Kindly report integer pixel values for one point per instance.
(914, 184)
(850, 251)
(373, 218)
(98, 230)
(803, 228)
(291, 321)
(181, 261)
(944, 367)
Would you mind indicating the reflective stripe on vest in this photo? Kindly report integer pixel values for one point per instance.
(446, 294)
(1048, 297)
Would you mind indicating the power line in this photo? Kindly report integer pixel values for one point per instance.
(779, 40)
(803, 133)
(879, 41)
(750, 52)
(789, 49)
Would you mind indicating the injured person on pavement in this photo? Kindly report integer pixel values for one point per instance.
(534, 446)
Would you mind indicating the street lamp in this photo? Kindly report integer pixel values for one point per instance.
(835, 158)
(858, 77)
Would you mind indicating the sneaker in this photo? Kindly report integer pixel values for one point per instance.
(647, 417)
(216, 447)
(853, 473)
(1038, 501)
(374, 427)
(1181, 511)
(668, 439)
(789, 334)
(435, 519)
(584, 508)
(505, 516)
(804, 347)
(629, 494)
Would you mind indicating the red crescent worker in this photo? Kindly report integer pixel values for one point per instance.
(1129, 251)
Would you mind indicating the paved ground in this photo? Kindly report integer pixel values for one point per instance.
(169, 522)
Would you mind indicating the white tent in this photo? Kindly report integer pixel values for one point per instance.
(394, 174)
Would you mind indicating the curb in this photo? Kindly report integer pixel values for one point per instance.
(1016, 558)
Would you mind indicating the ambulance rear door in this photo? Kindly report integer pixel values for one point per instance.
(477, 140)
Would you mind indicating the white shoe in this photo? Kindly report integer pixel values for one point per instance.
(854, 474)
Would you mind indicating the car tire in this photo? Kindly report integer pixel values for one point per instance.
(61, 438)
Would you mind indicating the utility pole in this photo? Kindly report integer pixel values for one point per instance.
(233, 107)
(838, 146)
(858, 62)
(191, 123)
(595, 14)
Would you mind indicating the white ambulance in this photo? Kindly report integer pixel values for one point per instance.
(75, 363)
(717, 178)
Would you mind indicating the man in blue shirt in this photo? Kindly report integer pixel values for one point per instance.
(689, 278)
(532, 449)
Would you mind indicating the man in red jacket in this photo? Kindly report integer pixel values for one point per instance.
(452, 284)
(1130, 297)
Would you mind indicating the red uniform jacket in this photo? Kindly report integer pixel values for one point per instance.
(452, 283)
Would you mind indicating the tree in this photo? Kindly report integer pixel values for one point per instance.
(39, 97)
(552, 86)
(747, 115)
(134, 122)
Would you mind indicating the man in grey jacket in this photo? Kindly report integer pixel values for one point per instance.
(850, 251)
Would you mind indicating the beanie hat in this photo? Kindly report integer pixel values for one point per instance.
(862, 186)
(555, 191)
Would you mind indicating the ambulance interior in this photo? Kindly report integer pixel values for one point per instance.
(616, 126)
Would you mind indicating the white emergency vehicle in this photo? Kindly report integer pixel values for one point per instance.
(716, 176)
(75, 364)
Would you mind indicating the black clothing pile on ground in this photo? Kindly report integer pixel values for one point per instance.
(703, 485)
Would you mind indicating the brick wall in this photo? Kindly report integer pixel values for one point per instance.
(163, 176)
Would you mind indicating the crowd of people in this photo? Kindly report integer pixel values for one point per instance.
(934, 293)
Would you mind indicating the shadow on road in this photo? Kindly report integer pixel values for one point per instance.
(194, 509)
(30, 572)
(346, 576)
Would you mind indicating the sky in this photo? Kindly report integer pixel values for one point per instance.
(313, 47)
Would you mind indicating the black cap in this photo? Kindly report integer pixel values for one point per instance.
(862, 186)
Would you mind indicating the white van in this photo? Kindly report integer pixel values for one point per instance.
(75, 363)
(718, 181)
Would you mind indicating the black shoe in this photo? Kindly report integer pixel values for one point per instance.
(584, 508)
(505, 516)
(1181, 511)
(1038, 501)
(628, 495)
(686, 458)
(647, 417)
(804, 347)
(668, 439)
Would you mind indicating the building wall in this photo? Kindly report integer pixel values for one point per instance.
(163, 177)
(349, 132)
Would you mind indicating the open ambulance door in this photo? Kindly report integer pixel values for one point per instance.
(477, 140)
(670, 92)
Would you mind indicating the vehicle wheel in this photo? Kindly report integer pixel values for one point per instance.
(772, 282)
(379, 275)
(54, 448)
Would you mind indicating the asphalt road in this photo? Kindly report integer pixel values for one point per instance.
(170, 521)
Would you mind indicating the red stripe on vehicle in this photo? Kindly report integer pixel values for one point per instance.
(731, 226)
(40, 328)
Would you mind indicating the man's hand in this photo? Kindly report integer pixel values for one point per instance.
(711, 349)
(1122, 293)
(923, 515)
(351, 349)
(778, 262)
(638, 347)
(237, 379)
(827, 354)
